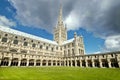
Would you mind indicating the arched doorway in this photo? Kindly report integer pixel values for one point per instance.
(37, 62)
(23, 62)
(14, 62)
(104, 63)
(44, 63)
(78, 63)
(89, 63)
(96, 63)
(49, 63)
(83, 63)
(31, 62)
(114, 63)
(5, 62)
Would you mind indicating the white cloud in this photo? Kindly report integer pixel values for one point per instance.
(6, 22)
(112, 43)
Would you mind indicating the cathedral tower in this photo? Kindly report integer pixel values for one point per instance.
(60, 31)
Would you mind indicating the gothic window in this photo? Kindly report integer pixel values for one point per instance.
(40, 46)
(6, 34)
(24, 39)
(4, 39)
(15, 42)
(72, 44)
(46, 47)
(31, 40)
(33, 45)
(52, 49)
(16, 37)
(56, 48)
(25, 43)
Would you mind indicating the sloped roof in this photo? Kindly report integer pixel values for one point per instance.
(16, 32)
(68, 41)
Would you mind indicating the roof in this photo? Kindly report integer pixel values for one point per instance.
(68, 41)
(16, 32)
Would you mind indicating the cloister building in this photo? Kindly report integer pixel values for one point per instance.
(22, 49)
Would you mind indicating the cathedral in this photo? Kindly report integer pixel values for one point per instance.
(22, 49)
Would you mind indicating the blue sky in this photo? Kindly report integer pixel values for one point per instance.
(96, 38)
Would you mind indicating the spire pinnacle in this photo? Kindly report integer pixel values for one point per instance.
(60, 19)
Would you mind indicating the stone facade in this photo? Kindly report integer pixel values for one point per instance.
(22, 49)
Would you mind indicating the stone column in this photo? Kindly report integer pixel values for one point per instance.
(71, 63)
(80, 63)
(67, 62)
(19, 62)
(60, 63)
(93, 63)
(86, 63)
(100, 63)
(27, 63)
(9, 64)
(34, 62)
(46, 62)
(55, 63)
(40, 62)
(0, 62)
(109, 63)
(51, 62)
(75, 63)
(119, 64)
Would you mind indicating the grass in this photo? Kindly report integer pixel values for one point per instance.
(58, 73)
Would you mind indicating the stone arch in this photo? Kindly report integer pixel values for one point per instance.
(49, 62)
(38, 62)
(5, 62)
(83, 63)
(96, 63)
(54, 62)
(89, 63)
(78, 63)
(14, 62)
(73, 62)
(114, 63)
(31, 62)
(44, 62)
(23, 62)
(104, 62)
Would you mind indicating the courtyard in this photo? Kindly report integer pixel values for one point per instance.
(58, 73)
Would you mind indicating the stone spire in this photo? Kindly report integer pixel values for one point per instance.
(60, 31)
(60, 18)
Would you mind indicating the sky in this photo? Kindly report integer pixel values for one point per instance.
(98, 21)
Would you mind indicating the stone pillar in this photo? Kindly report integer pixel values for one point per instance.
(75, 63)
(71, 63)
(9, 64)
(34, 62)
(46, 62)
(27, 63)
(67, 62)
(19, 62)
(40, 62)
(51, 62)
(109, 63)
(86, 63)
(119, 64)
(0, 62)
(100, 64)
(93, 63)
(60, 63)
(55, 63)
(80, 63)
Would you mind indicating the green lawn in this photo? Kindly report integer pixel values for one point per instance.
(58, 73)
